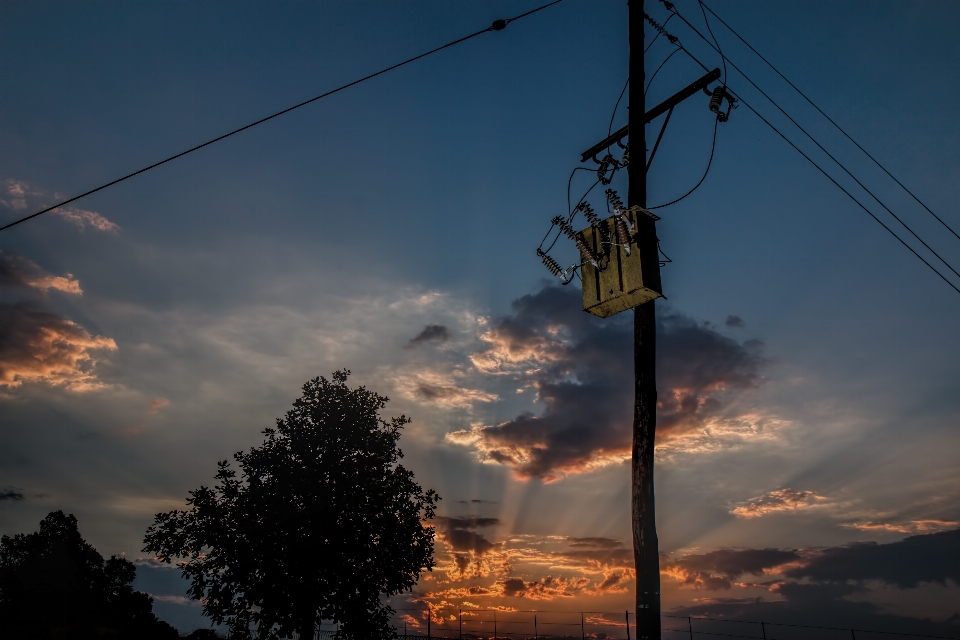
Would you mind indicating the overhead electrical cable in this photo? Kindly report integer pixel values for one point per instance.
(498, 25)
(723, 58)
(654, 75)
(831, 179)
(828, 154)
(658, 34)
(713, 146)
(830, 120)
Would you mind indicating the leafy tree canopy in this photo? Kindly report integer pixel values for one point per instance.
(53, 583)
(322, 522)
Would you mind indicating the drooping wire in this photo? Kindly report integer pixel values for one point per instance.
(831, 179)
(498, 25)
(658, 33)
(654, 75)
(713, 147)
(819, 146)
(723, 58)
(829, 119)
(616, 106)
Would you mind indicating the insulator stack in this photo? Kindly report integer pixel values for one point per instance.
(588, 213)
(585, 251)
(625, 160)
(551, 264)
(614, 200)
(623, 236)
(716, 99)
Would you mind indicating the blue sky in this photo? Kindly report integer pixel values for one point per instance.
(189, 304)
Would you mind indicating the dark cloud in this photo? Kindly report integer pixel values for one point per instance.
(476, 501)
(17, 272)
(716, 570)
(931, 558)
(735, 321)
(460, 535)
(430, 333)
(36, 346)
(42, 347)
(595, 543)
(814, 586)
(546, 588)
(10, 494)
(582, 369)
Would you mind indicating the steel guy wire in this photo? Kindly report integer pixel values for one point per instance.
(828, 154)
(498, 25)
(828, 176)
(830, 120)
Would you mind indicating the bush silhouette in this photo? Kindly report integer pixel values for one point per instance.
(54, 584)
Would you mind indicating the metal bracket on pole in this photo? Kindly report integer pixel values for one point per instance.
(663, 107)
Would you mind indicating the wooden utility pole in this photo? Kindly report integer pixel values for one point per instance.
(645, 545)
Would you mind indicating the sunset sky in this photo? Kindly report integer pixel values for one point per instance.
(808, 461)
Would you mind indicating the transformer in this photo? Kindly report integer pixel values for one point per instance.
(627, 274)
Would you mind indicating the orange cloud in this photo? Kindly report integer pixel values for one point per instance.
(441, 389)
(778, 501)
(931, 525)
(156, 405)
(19, 272)
(18, 195)
(83, 219)
(42, 347)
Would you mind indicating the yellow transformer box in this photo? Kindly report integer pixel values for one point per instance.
(624, 274)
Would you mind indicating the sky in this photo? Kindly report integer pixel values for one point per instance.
(809, 415)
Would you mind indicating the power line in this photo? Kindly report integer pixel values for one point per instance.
(713, 147)
(861, 205)
(829, 155)
(498, 25)
(830, 120)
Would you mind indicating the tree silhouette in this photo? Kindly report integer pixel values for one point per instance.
(323, 522)
(53, 583)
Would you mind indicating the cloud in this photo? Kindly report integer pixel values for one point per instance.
(547, 588)
(922, 558)
(19, 196)
(595, 543)
(440, 389)
(716, 570)
(430, 333)
(36, 346)
(83, 218)
(156, 405)
(467, 547)
(778, 501)
(10, 494)
(930, 525)
(735, 321)
(17, 272)
(582, 371)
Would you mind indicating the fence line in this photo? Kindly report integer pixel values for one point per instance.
(595, 625)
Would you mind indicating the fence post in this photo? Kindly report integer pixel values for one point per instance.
(494, 624)
(690, 626)
(582, 633)
(853, 635)
(536, 635)
(763, 630)
(461, 622)
(429, 616)
(627, 615)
